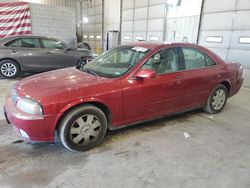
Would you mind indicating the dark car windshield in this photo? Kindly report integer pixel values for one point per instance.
(115, 62)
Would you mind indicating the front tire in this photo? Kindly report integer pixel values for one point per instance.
(83, 128)
(217, 100)
(9, 68)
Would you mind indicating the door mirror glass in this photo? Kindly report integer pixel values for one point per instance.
(146, 73)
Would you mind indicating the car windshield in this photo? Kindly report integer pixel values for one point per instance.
(115, 62)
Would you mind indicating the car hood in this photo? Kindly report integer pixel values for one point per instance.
(58, 85)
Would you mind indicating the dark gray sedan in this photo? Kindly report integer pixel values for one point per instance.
(35, 54)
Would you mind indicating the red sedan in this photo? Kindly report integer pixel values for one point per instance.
(126, 85)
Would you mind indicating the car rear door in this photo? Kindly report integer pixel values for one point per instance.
(149, 98)
(199, 77)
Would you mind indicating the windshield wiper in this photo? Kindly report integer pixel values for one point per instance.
(90, 72)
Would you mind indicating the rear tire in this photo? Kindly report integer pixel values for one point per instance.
(82, 128)
(9, 68)
(217, 100)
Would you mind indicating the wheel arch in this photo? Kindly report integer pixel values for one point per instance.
(7, 58)
(227, 85)
(98, 104)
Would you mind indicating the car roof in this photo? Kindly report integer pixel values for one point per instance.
(7, 39)
(25, 36)
(153, 45)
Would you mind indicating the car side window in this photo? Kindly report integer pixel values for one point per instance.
(163, 61)
(196, 59)
(13, 43)
(24, 43)
(52, 44)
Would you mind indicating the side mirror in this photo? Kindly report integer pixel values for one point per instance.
(147, 73)
(67, 49)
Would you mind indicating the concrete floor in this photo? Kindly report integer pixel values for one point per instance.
(154, 154)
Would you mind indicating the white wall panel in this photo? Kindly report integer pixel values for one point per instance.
(232, 16)
(155, 25)
(222, 52)
(182, 29)
(91, 19)
(243, 4)
(154, 34)
(141, 13)
(127, 26)
(91, 28)
(85, 4)
(225, 43)
(218, 21)
(126, 37)
(51, 24)
(219, 5)
(90, 11)
(139, 36)
(97, 2)
(128, 4)
(153, 2)
(157, 11)
(127, 15)
(98, 19)
(140, 25)
(98, 28)
(241, 56)
(98, 10)
(235, 44)
(242, 20)
(141, 3)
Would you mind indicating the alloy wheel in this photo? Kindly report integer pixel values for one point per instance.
(8, 69)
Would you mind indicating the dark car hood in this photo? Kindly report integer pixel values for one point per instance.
(69, 81)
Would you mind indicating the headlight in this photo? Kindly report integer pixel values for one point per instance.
(29, 106)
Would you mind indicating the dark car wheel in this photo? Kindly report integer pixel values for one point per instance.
(83, 128)
(217, 100)
(9, 68)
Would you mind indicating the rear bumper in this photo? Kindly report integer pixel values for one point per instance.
(30, 127)
(237, 86)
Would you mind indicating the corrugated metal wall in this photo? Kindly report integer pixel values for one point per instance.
(183, 21)
(51, 24)
(226, 29)
(142, 20)
(183, 29)
(156, 20)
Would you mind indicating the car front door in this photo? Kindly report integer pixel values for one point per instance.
(56, 54)
(199, 77)
(148, 98)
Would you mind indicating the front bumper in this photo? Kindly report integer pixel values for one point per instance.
(30, 127)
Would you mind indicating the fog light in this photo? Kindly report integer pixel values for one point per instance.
(24, 134)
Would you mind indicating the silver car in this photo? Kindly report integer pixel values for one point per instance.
(33, 54)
